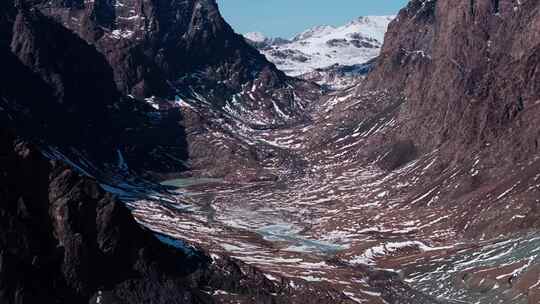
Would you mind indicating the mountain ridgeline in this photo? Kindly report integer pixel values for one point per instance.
(153, 45)
(334, 57)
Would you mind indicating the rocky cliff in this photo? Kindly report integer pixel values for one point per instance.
(73, 104)
(469, 73)
(167, 48)
(462, 80)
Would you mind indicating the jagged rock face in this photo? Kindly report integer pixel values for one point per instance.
(469, 71)
(82, 92)
(153, 44)
(63, 238)
(73, 103)
(70, 101)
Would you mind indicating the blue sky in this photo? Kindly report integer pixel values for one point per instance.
(286, 18)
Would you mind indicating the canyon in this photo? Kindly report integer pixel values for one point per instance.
(176, 164)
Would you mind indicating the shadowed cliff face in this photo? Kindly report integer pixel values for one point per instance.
(469, 72)
(153, 45)
(77, 87)
(60, 91)
(63, 238)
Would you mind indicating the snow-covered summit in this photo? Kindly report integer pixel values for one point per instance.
(322, 46)
(319, 30)
(256, 36)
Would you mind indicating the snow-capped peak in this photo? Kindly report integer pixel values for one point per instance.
(316, 31)
(255, 36)
(373, 26)
(322, 46)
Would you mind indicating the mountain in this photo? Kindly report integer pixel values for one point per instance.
(152, 46)
(480, 82)
(65, 235)
(174, 48)
(323, 46)
(255, 37)
(468, 80)
(138, 43)
(235, 183)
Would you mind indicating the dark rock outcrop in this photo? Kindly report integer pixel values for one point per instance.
(63, 238)
(152, 45)
(73, 103)
(74, 92)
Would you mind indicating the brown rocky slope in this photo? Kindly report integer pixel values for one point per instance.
(469, 72)
(466, 74)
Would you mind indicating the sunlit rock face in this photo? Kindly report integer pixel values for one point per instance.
(468, 71)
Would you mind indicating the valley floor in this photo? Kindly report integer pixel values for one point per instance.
(332, 217)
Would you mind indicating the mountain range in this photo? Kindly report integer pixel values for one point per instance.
(150, 154)
(326, 48)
